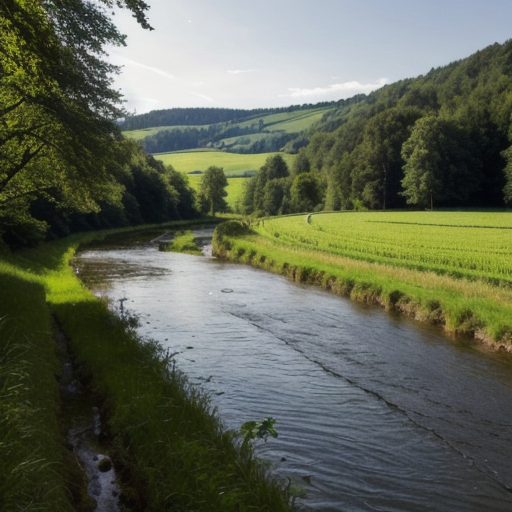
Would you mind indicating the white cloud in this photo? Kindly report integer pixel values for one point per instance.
(344, 88)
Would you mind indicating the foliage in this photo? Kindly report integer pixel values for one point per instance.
(63, 163)
(212, 191)
(305, 193)
(267, 192)
(257, 430)
(442, 138)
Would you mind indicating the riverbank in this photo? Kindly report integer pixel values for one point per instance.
(461, 307)
(169, 448)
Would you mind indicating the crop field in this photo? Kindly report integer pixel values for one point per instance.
(473, 245)
(232, 163)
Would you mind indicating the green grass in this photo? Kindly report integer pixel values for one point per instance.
(450, 268)
(232, 163)
(475, 245)
(165, 438)
(183, 241)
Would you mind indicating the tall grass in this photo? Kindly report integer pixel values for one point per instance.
(166, 441)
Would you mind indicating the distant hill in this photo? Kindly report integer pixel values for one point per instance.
(237, 131)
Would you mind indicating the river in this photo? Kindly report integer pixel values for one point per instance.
(374, 411)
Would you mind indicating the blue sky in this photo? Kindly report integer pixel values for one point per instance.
(274, 53)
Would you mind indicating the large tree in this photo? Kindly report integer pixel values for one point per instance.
(212, 191)
(57, 105)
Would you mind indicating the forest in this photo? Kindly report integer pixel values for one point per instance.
(64, 164)
(439, 140)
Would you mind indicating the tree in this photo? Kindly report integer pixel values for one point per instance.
(439, 164)
(305, 192)
(57, 106)
(212, 191)
(422, 170)
(377, 170)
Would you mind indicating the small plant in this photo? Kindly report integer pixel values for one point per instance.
(257, 430)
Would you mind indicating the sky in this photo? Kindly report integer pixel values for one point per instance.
(247, 54)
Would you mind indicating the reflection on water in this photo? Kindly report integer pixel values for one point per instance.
(373, 412)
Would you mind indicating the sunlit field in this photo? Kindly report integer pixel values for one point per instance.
(232, 163)
(462, 244)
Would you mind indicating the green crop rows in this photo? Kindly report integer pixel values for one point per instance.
(474, 245)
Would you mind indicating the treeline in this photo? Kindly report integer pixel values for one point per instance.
(64, 165)
(275, 189)
(443, 139)
(203, 116)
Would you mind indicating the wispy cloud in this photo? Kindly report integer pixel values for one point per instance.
(239, 71)
(158, 71)
(343, 88)
(203, 96)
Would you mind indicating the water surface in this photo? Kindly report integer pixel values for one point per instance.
(374, 412)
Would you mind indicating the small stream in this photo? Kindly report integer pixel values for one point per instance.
(374, 411)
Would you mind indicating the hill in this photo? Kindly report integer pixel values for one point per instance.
(236, 131)
(442, 139)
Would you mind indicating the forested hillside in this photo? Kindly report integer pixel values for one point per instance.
(236, 131)
(442, 139)
(64, 165)
(204, 116)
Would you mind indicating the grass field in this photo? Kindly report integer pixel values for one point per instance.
(461, 244)
(450, 268)
(232, 163)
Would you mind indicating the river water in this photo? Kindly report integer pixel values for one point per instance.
(374, 412)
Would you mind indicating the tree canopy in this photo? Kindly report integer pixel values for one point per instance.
(440, 139)
(59, 145)
(212, 191)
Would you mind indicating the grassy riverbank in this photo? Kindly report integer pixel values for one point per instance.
(168, 446)
(462, 296)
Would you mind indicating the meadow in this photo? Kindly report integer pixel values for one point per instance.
(471, 245)
(450, 268)
(232, 163)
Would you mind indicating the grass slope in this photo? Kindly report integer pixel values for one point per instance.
(289, 122)
(447, 268)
